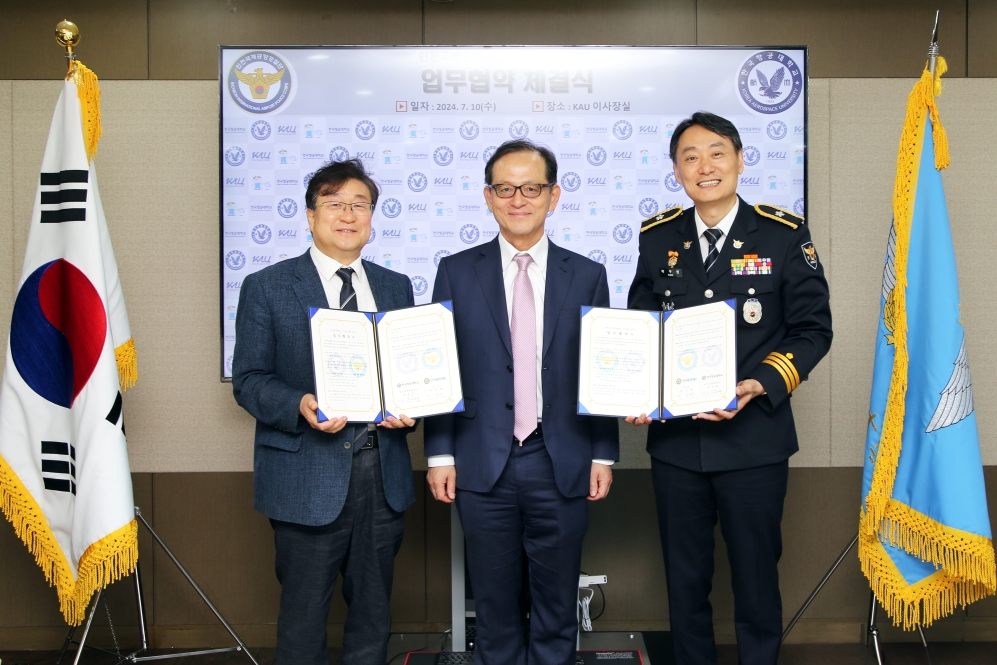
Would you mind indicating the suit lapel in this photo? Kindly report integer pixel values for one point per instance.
(308, 285)
(691, 258)
(559, 274)
(744, 225)
(384, 296)
(489, 270)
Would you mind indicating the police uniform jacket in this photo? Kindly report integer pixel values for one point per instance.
(779, 349)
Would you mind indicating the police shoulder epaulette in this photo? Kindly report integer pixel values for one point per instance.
(791, 220)
(660, 218)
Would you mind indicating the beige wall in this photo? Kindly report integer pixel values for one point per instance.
(159, 184)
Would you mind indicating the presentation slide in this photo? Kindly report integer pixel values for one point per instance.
(426, 119)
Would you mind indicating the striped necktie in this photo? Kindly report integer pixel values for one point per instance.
(712, 236)
(348, 302)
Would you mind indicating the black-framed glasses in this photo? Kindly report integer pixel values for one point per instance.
(531, 191)
(338, 207)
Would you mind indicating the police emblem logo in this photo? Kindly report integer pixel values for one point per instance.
(596, 155)
(752, 310)
(810, 254)
(687, 244)
(738, 244)
(260, 82)
(519, 129)
(770, 82)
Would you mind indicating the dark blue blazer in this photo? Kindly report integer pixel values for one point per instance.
(300, 474)
(480, 438)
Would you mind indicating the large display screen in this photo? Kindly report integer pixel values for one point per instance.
(426, 119)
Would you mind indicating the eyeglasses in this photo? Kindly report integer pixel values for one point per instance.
(507, 191)
(338, 207)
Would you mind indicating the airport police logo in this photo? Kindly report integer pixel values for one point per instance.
(598, 256)
(571, 181)
(489, 151)
(596, 155)
(752, 155)
(671, 184)
(391, 208)
(622, 130)
(519, 129)
(287, 208)
(339, 154)
(260, 130)
(261, 234)
(468, 130)
(469, 233)
(365, 130)
(798, 207)
(622, 233)
(439, 256)
(235, 260)
(418, 182)
(769, 82)
(777, 130)
(235, 156)
(443, 156)
(647, 207)
(260, 82)
(419, 285)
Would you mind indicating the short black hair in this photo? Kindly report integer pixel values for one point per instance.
(710, 121)
(522, 145)
(330, 179)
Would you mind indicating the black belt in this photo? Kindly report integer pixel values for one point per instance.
(371, 440)
(535, 434)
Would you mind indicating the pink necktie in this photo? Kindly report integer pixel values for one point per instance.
(524, 350)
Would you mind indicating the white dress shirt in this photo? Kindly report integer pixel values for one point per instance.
(537, 272)
(333, 283)
(724, 225)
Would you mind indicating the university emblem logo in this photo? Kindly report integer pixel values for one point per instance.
(468, 130)
(571, 181)
(770, 82)
(235, 156)
(596, 155)
(752, 155)
(365, 130)
(622, 130)
(647, 207)
(391, 208)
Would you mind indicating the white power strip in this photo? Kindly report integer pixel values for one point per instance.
(585, 582)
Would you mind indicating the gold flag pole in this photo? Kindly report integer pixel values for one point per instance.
(68, 35)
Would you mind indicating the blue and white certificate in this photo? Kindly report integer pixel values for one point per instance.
(699, 372)
(344, 357)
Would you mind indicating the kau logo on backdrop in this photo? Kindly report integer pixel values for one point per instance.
(571, 181)
(261, 234)
(752, 155)
(489, 151)
(365, 130)
(235, 260)
(468, 130)
(798, 207)
(260, 82)
(417, 182)
(287, 208)
(776, 130)
(622, 130)
(647, 207)
(260, 130)
(519, 129)
(596, 155)
(622, 233)
(439, 256)
(419, 285)
(443, 156)
(598, 256)
(469, 233)
(373, 235)
(671, 184)
(339, 154)
(769, 82)
(235, 156)
(391, 208)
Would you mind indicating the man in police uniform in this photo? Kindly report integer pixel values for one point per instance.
(730, 464)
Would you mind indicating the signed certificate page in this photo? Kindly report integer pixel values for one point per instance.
(419, 365)
(699, 367)
(343, 352)
(618, 372)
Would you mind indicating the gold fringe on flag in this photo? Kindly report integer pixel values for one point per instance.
(105, 561)
(966, 561)
(127, 364)
(89, 92)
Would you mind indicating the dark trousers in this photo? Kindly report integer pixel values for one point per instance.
(524, 511)
(361, 544)
(749, 504)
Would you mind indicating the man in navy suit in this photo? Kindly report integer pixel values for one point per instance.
(335, 493)
(519, 462)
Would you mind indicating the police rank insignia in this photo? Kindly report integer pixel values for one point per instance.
(810, 254)
(752, 310)
(750, 265)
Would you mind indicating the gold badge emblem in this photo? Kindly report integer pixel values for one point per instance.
(673, 258)
(687, 244)
(738, 243)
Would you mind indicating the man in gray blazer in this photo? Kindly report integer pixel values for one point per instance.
(335, 493)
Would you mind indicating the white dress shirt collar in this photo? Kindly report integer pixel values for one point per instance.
(724, 225)
(539, 252)
(327, 266)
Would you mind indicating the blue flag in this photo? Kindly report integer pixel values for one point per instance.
(924, 537)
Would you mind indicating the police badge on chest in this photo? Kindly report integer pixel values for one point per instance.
(752, 310)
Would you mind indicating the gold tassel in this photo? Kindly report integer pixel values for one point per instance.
(105, 561)
(89, 93)
(127, 364)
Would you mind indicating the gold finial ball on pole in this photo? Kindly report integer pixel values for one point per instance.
(67, 34)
